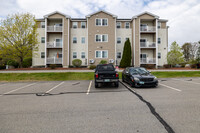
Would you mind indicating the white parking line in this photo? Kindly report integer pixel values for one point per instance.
(170, 87)
(187, 81)
(18, 89)
(54, 87)
(88, 91)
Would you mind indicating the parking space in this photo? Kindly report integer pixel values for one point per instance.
(77, 106)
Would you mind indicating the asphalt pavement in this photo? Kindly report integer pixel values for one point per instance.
(79, 107)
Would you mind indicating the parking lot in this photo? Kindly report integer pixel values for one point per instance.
(79, 107)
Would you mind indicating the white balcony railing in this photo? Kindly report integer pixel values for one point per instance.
(147, 60)
(54, 28)
(54, 45)
(147, 28)
(147, 44)
(54, 60)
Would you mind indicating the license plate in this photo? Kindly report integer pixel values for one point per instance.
(141, 82)
(107, 80)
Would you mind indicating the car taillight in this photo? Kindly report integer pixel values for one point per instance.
(96, 75)
(117, 75)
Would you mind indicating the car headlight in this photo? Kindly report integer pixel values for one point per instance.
(155, 79)
(136, 79)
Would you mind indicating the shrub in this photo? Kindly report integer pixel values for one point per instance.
(77, 62)
(92, 67)
(12, 63)
(2, 65)
(53, 66)
(126, 56)
(167, 66)
(150, 66)
(27, 62)
(103, 62)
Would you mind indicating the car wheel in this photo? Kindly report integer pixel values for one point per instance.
(122, 79)
(132, 84)
(117, 84)
(96, 85)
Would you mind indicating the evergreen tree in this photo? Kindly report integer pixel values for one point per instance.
(126, 57)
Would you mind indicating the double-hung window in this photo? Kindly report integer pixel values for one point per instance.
(42, 54)
(83, 55)
(119, 55)
(159, 55)
(127, 25)
(74, 40)
(74, 55)
(42, 39)
(159, 25)
(101, 54)
(118, 40)
(83, 40)
(74, 25)
(118, 25)
(83, 25)
(42, 24)
(101, 38)
(101, 22)
(159, 41)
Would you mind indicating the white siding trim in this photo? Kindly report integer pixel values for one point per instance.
(68, 42)
(134, 40)
(45, 42)
(156, 43)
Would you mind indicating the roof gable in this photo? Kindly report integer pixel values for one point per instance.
(103, 12)
(56, 12)
(155, 16)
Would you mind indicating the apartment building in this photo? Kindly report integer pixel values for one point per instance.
(100, 36)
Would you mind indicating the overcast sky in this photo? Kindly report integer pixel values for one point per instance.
(183, 15)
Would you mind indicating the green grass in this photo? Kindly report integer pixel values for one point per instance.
(10, 77)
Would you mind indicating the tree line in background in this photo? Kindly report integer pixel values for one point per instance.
(188, 53)
(18, 37)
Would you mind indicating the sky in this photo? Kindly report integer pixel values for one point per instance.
(183, 15)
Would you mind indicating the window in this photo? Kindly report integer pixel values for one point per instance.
(74, 55)
(159, 25)
(101, 22)
(42, 39)
(58, 42)
(119, 55)
(101, 38)
(74, 40)
(74, 25)
(83, 25)
(42, 54)
(127, 25)
(42, 24)
(102, 54)
(83, 40)
(119, 40)
(104, 22)
(83, 55)
(159, 55)
(58, 25)
(159, 41)
(118, 25)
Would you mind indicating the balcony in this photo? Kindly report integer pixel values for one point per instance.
(147, 28)
(147, 60)
(54, 45)
(147, 44)
(54, 28)
(54, 60)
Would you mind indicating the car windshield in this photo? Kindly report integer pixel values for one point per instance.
(106, 68)
(138, 71)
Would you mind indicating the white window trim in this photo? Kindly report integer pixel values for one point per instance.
(120, 40)
(101, 38)
(120, 25)
(73, 40)
(73, 55)
(120, 54)
(101, 21)
(81, 39)
(82, 25)
(125, 25)
(101, 54)
(73, 25)
(81, 55)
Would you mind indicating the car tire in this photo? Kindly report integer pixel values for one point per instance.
(123, 79)
(96, 85)
(132, 84)
(117, 84)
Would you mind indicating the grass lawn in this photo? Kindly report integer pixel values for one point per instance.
(10, 77)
